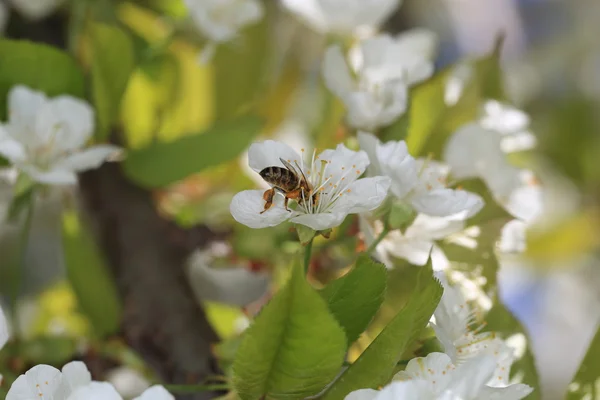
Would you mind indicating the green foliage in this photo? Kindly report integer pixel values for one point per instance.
(355, 298)
(586, 383)
(293, 348)
(89, 276)
(305, 234)
(39, 67)
(376, 365)
(162, 164)
(499, 319)
(112, 65)
(432, 121)
(239, 70)
(401, 216)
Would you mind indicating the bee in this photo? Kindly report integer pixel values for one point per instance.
(289, 182)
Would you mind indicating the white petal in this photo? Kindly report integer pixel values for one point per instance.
(89, 158)
(11, 149)
(399, 165)
(24, 105)
(512, 237)
(473, 151)
(512, 392)
(343, 163)
(247, 205)
(374, 52)
(396, 103)
(368, 142)
(41, 380)
(267, 154)
(433, 228)
(96, 391)
(3, 329)
(432, 174)
(51, 177)
(518, 142)
(446, 202)
(65, 122)
(503, 181)
(74, 375)
(413, 389)
(336, 73)
(435, 369)
(452, 315)
(309, 11)
(468, 379)
(230, 285)
(320, 221)
(36, 9)
(156, 392)
(418, 41)
(364, 111)
(416, 251)
(362, 394)
(526, 202)
(504, 118)
(364, 195)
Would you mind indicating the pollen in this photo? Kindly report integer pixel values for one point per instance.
(348, 190)
(335, 186)
(354, 166)
(343, 167)
(289, 160)
(358, 172)
(302, 150)
(331, 184)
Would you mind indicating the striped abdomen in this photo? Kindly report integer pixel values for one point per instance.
(280, 177)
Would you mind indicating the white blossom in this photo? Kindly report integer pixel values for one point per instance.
(435, 378)
(343, 17)
(511, 123)
(221, 20)
(333, 174)
(3, 333)
(73, 383)
(44, 137)
(416, 243)
(36, 9)
(417, 182)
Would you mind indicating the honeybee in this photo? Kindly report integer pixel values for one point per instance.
(289, 182)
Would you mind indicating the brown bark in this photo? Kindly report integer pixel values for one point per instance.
(162, 320)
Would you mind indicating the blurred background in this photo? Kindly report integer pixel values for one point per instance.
(551, 66)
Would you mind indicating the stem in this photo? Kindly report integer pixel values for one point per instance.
(19, 269)
(307, 254)
(382, 235)
(196, 388)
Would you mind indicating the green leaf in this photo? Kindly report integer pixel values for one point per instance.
(23, 196)
(401, 216)
(240, 69)
(162, 164)
(355, 298)
(499, 319)
(89, 276)
(587, 380)
(39, 67)
(55, 350)
(112, 65)
(293, 348)
(377, 363)
(305, 234)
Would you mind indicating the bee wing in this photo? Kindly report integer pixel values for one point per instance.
(289, 166)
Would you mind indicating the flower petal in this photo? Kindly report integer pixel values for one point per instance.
(247, 205)
(413, 389)
(268, 153)
(24, 105)
(435, 369)
(309, 11)
(321, 221)
(474, 151)
(343, 166)
(3, 329)
(512, 392)
(336, 74)
(415, 251)
(399, 165)
(362, 394)
(96, 391)
(433, 228)
(41, 380)
(468, 379)
(89, 158)
(504, 118)
(11, 149)
(156, 392)
(74, 375)
(65, 123)
(447, 202)
(368, 142)
(364, 195)
(51, 177)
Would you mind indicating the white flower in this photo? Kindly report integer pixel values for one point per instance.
(221, 20)
(43, 137)
(73, 383)
(511, 123)
(417, 242)
(333, 174)
(342, 17)
(418, 183)
(36, 9)
(377, 97)
(475, 152)
(3, 333)
(456, 83)
(435, 378)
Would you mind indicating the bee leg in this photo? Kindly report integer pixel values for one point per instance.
(285, 204)
(268, 197)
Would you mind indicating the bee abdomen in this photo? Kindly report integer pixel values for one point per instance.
(280, 177)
